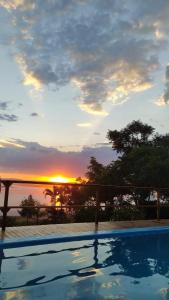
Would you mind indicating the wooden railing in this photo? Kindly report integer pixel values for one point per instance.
(96, 187)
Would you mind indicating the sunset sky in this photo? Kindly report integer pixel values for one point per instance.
(71, 70)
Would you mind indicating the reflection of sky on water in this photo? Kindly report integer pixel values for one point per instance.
(126, 268)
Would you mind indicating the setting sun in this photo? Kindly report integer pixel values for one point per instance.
(62, 179)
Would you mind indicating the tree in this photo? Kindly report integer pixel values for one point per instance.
(82, 203)
(143, 161)
(29, 207)
(59, 196)
(146, 166)
(134, 135)
(95, 171)
(53, 194)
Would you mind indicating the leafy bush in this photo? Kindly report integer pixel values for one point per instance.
(57, 216)
(127, 213)
(85, 215)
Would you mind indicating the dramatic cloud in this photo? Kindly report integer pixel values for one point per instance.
(8, 117)
(17, 156)
(107, 49)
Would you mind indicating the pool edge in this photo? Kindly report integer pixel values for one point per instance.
(51, 239)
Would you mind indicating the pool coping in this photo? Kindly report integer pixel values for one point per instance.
(33, 241)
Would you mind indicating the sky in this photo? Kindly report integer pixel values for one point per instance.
(70, 71)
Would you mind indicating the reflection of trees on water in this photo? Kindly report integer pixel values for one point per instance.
(2, 256)
(140, 256)
(136, 257)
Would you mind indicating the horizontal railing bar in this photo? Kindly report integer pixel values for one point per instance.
(13, 181)
(46, 206)
(4, 181)
(77, 205)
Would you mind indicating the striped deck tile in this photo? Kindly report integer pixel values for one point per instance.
(71, 228)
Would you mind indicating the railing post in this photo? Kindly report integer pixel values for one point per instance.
(158, 205)
(37, 217)
(7, 185)
(97, 208)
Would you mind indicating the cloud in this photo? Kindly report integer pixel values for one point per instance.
(17, 156)
(166, 92)
(34, 114)
(93, 108)
(96, 133)
(160, 102)
(84, 125)
(106, 49)
(11, 4)
(8, 117)
(4, 105)
(103, 144)
(10, 144)
(164, 99)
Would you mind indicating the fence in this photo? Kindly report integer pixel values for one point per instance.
(97, 188)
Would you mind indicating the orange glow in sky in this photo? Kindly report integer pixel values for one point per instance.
(62, 179)
(53, 178)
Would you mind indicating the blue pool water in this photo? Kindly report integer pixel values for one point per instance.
(124, 267)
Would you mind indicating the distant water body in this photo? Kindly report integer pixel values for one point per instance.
(18, 193)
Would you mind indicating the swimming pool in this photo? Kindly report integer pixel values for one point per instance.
(126, 264)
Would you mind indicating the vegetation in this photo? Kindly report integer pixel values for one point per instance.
(29, 208)
(143, 160)
(59, 196)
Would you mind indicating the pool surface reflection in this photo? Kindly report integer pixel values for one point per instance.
(133, 267)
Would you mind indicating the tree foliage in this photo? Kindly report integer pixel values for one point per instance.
(29, 207)
(59, 195)
(143, 160)
(134, 135)
(95, 171)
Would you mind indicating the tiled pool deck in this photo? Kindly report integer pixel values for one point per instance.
(63, 229)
